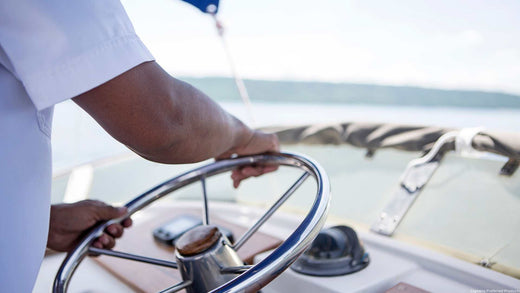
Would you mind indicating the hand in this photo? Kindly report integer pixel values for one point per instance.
(69, 222)
(258, 143)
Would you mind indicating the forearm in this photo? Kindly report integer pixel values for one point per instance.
(161, 118)
(201, 129)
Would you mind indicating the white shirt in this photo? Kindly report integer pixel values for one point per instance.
(50, 51)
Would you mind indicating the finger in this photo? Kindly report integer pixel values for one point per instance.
(127, 222)
(111, 243)
(240, 174)
(237, 176)
(272, 168)
(107, 241)
(107, 212)
(115, 230)
(97, 244)
(236, 182)
(249, 171)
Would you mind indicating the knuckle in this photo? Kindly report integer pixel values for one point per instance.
(93, 202)
(273, 143)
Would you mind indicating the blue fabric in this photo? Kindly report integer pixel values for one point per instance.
(203, 4)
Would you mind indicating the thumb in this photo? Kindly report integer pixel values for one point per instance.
(107, 212)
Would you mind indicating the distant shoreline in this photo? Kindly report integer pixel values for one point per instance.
(223, 89)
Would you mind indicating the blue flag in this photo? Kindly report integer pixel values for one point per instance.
(206, 6)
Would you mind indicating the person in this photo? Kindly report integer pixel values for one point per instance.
(87, 51)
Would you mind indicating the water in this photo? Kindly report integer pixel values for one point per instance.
(78, 139)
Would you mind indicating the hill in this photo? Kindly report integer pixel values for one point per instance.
(224, 89)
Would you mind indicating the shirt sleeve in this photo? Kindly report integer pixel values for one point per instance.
(59, 49)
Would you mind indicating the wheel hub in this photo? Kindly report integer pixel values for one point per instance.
(201, 254)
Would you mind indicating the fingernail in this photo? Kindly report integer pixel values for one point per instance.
(104, 240)
(122, 210)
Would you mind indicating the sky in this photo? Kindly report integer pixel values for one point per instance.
(455, 44)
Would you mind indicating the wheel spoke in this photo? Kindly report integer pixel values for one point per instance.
(270, 212)
(154, 261)
(177, 287)
(205, 213)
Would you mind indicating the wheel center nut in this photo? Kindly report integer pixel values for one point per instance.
(197, 240)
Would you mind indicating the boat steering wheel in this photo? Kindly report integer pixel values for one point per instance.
(230, 276)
